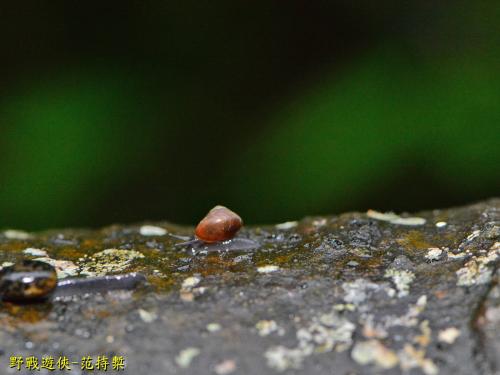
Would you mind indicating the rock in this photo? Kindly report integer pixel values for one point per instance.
(358, 293)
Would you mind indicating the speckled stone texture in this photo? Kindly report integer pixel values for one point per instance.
(357, 293)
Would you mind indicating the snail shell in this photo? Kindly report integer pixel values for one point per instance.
(26, 281)
(220, 224)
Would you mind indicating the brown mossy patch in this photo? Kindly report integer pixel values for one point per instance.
(99, 313)
(21, 314)
(414, 241)
(70, 253)
(162, 284)
(13, 246)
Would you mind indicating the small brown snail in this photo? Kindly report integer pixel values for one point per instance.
(220, 224)
(217, 230)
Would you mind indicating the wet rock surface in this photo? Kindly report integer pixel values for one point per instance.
(358, 293)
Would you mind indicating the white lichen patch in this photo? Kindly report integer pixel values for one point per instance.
(281, 358)
(357, 291)
(108, 261)
(64, 268)
(190, 282)
(225, 367)
(330, 332)
(410, 221)
(267, 269)
(188, 288)
(434, 254)
(15, 234)
(213, 327)
(424, 338)
(453, 256)
(6, 264)
(374, 352)
(410, 319)
(35, 252)
(402, 279)
(448, 335)
(146, 316)
(384, 216)
(186, 356)
(410, 358)
(151, 230)
(344, 307)
(371, 329)
(324, 333)
(473, 235)
(326, 337)
(492, 231)
(266, 327)
(477, 270)
(319, 222)
(393, 218)
(287, 225)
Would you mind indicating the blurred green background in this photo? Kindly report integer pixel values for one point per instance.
(135, 110)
